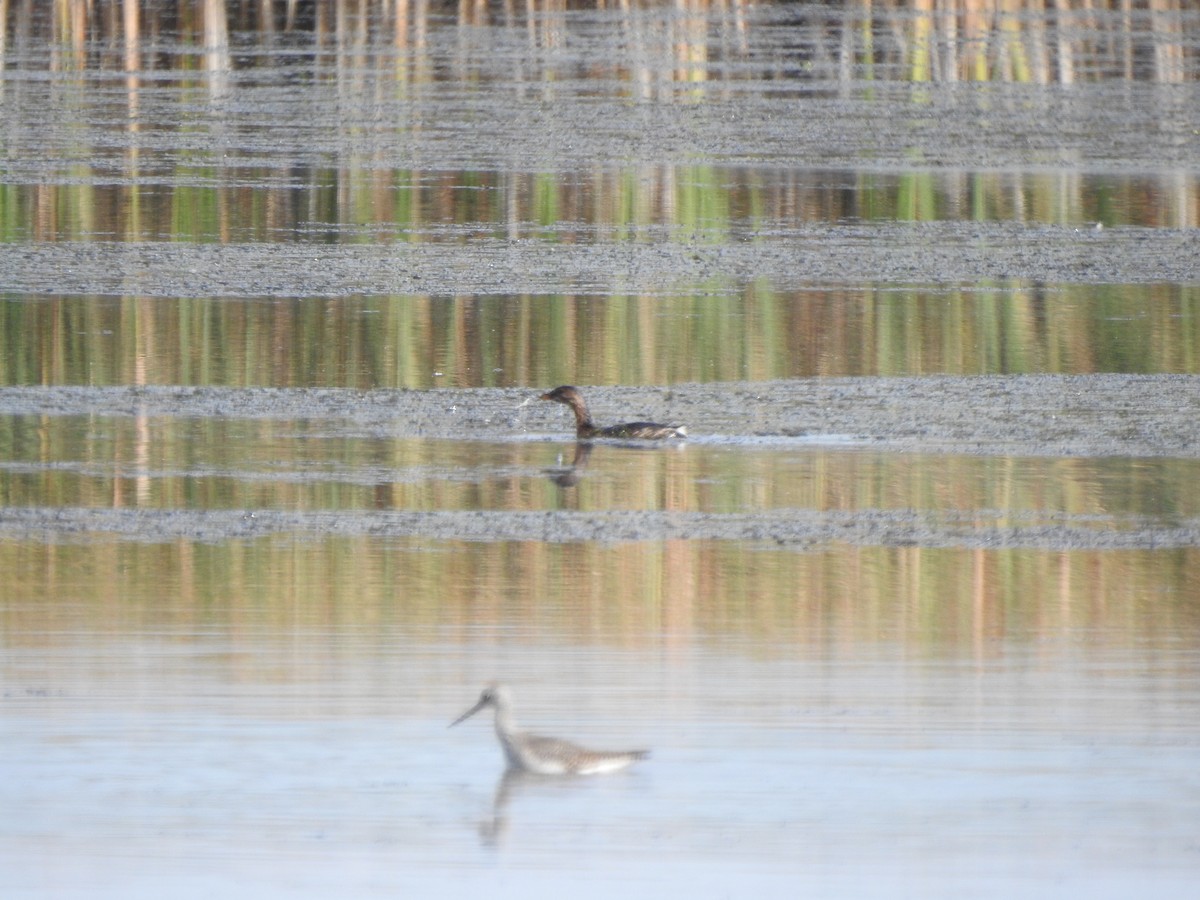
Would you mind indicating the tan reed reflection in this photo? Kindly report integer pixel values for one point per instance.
(680, 596)
(425, 341)
(956, 40)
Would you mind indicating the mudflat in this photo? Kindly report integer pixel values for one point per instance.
(1017, 415)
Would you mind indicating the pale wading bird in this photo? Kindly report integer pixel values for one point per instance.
(586, 429)
(544, 755)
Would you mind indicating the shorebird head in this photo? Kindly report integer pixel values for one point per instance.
(564, 393)
(494, 695)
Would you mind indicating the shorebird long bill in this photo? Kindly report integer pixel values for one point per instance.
(483, 701)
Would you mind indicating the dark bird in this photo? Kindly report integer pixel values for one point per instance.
(585, 428)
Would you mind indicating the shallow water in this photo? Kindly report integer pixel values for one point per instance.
(722, 332)
(251, 761)
(230, 711)
(930, 637)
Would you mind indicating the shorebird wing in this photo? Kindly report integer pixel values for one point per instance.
(554, 756)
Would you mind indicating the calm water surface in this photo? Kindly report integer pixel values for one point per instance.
(749, 333)
(269, 715)
(629, 196)
(635, 196)
(295, 759)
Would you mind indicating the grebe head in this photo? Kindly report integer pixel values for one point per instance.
(564, 393)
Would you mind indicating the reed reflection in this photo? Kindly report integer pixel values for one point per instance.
(192, 464)
(679, 43)
(676, 205)
(763, 333)
(678, 595)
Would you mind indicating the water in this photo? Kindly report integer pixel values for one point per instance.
(290, 763)
(707, 195)
(276, 501)
(753, 333)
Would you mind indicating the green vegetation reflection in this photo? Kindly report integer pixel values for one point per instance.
(684, 204)
(426, 341)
